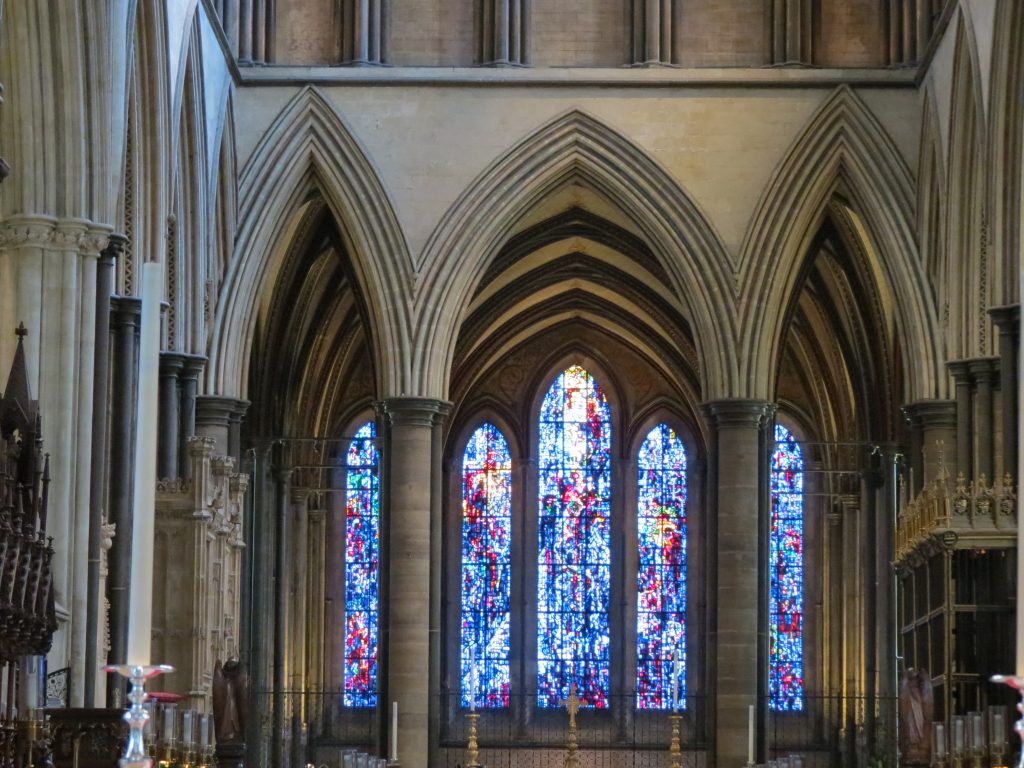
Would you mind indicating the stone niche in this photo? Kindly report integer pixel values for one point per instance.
(197, 571)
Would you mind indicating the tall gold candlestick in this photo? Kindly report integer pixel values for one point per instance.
(676, 750)
(472, 749)
(572, 706)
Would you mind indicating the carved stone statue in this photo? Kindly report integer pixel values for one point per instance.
(917, 705)
(229, 702)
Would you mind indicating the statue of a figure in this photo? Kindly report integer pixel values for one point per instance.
(917, 705)
(229, 702)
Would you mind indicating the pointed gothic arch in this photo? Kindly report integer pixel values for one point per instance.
(309, 150)
(574, 146)
(967, 268)
(844, 152)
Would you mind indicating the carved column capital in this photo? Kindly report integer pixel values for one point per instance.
(740, 413)
(415, 411)
(931, 414)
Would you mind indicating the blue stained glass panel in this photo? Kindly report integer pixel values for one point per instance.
(786, 559)
(661, 577)
(486, 568)
(362, 554)
(574, 538)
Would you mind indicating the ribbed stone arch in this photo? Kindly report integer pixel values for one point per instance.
(574, 147)
(968, 259)
(844, 152)
(309, 150)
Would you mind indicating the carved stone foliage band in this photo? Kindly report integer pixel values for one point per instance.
(77, 235)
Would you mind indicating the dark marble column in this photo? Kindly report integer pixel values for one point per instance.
(98, 474)
(985, 373)
(739, 478)
(167, 447)
(125, 322)
(961, 372)
(412, 471)
(188, 386)
(1007, 320)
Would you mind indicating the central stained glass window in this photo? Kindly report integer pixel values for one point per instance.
(661, 578)
(786, 559)
(362, 556)
(486, 568)
(574, 533)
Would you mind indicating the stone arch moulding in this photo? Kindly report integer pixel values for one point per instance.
(573, 147)
(844, 146)
(309, 149)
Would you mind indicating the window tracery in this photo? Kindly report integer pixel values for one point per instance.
(574, 533)
(786, 597)
(486, 569)
(661, 578)
(362, 557)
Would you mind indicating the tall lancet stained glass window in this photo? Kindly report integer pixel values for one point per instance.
(661, 577)
(362, 556)
(786, 558)
(574, 532)
(486, 568)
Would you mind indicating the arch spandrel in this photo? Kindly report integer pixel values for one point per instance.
(309, 150)
(843, 152)
(574, 147)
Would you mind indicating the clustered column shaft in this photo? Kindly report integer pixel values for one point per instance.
(503, 31)
(656, 25)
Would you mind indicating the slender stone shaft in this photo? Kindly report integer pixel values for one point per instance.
(961, 372)
(169, 418)
(1007, 319)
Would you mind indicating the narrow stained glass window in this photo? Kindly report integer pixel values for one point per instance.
(574, 564)
(786, 559)
(661, 579)
(362, 551)
(486, 568)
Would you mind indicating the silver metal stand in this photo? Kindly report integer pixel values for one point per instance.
(135, 754)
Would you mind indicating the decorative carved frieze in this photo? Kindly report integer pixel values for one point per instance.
(77, 235)
(964, 515)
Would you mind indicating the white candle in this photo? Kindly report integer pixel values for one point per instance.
(675, 680)
(168, 723)
(472, 688)
(186, 728)
(750, 735)
(394, 731)
(140, 598)
(204, 730)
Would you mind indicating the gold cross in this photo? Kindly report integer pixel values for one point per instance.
(572, 705)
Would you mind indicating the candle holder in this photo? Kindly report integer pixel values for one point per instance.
(1017, 683)
(135, 755)
(472, 748)
(675, 750)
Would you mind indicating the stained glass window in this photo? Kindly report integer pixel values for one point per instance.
(785, 607)
(486, 568)
(362, 552)
(574, 564)
(661, 578)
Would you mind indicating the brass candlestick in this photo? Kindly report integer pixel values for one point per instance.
(472, 748)
(675, 750)
(572, 706)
